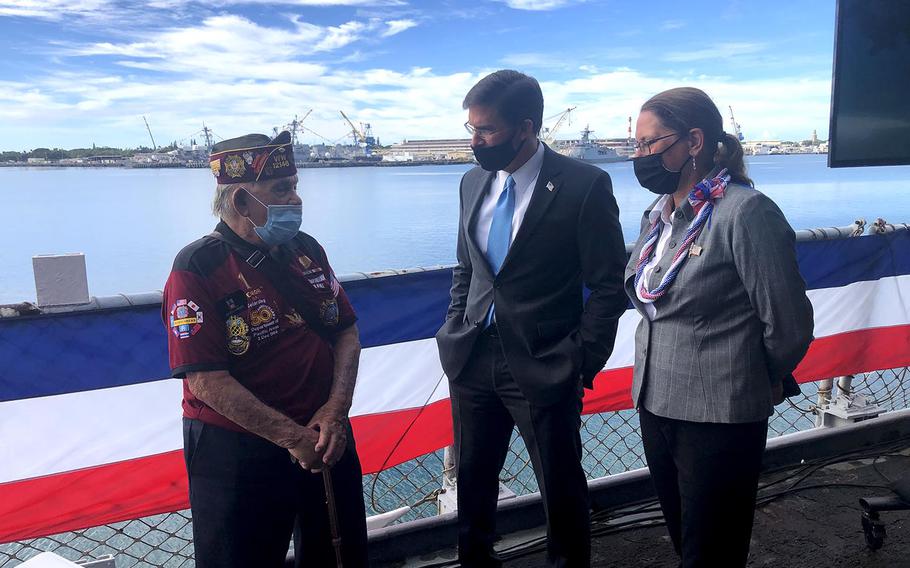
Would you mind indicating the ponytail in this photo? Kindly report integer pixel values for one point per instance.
(729, 155)
(684, 108)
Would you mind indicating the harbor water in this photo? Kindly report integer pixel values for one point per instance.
(130, 223)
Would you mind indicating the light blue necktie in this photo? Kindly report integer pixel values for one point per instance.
(501, 231)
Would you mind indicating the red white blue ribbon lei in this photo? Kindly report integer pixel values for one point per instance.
(702, 199)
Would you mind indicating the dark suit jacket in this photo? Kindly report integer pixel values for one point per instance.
(569, 236)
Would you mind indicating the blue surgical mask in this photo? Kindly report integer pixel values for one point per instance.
(281, 224)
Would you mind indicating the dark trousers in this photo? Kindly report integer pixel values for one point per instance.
(247, 498)
(706, 477)
(486, 405)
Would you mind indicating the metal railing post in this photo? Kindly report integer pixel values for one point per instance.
(825, 387)
(446, 499)
(845, 385)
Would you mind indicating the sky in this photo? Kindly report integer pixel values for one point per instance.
(82, 72)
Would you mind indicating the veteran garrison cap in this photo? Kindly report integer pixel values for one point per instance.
(254, 157)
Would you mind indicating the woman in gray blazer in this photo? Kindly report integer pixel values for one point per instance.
(725, 320)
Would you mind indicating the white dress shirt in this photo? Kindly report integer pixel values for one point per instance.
(525, 179)
(663, 209)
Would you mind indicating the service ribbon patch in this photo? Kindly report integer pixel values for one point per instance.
(185, 318)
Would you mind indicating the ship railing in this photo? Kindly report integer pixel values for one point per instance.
(611, 444)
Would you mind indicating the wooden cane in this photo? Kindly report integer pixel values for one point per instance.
(333, 514)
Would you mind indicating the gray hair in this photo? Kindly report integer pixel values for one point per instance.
(221, 205)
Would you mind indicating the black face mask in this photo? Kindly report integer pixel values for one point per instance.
(495, 158)
(654, 176)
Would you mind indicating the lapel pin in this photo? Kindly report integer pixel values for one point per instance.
(694, 250)
(550, 186)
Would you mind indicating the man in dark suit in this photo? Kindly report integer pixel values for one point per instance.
(519, 340)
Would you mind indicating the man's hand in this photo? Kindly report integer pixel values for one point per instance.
(232, 400)
(777, 393)
(304, 451)
(330, 421)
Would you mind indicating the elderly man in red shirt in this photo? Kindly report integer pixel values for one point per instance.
(266, 340)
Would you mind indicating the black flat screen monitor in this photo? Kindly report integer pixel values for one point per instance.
(870, 98)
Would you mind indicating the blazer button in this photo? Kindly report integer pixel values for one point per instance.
(679, 214)
(672, 244)
(476, 323)
(656, 270)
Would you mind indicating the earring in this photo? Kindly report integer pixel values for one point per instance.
(693, 164)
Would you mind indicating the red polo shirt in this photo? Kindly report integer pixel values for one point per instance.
(223, 313)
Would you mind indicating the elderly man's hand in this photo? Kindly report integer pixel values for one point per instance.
(304, 451)
(330, 422)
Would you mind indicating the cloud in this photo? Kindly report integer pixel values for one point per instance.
(534, 60)
(606, 101)
(721, 50)
(232, 46)
(76, 109)
(588, 61)
(538, 5)
(51, 9)
(239, 75)
(397, 26)
(122, 9)
(672, 25)
(21, 101)
(334, 37)
(355, 3)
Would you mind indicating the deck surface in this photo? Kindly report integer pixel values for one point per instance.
(813, 527)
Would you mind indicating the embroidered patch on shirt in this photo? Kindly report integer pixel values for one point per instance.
(185, 318)
(328, 311)
(238, 335)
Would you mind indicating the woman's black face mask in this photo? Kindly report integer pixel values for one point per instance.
(654, 176)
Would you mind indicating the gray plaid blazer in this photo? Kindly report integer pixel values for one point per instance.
(736, 321)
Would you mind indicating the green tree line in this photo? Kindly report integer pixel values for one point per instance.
(60, 153)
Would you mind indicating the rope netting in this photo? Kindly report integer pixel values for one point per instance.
(612, 444)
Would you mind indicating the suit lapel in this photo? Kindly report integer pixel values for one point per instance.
(473, 208)
(545, 190)
(629, 274)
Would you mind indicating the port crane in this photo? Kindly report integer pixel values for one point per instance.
(560, 118)
(363, 135)
(736, 131)
(154, 146)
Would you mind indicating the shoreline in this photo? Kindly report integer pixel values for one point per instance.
(311, 165)
(300, 165)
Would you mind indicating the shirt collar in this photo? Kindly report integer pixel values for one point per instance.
(526, 174)
(663, 209)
